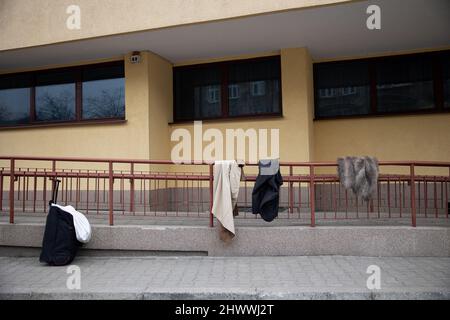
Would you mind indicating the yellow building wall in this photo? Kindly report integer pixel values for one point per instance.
(389, 138)
(26, 23)
(160, 106)
(418, 137)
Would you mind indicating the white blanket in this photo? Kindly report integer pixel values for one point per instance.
(82, 227)
(227, 176)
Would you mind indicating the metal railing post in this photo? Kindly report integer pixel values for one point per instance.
(291, 191)
(312, 196)
(413, 196)
(132, 188)
(211, 195)
(1, 189)
(111, 194)
(11, 190)
(53, 174)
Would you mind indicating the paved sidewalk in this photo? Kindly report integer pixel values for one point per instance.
(305, 277)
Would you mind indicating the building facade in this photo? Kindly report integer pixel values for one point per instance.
(118, 84)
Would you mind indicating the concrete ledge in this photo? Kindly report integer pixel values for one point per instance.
(400, 241)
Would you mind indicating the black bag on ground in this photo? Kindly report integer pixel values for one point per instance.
(60, 243)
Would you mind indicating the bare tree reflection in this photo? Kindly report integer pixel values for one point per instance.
(56, 107)
(108, 104)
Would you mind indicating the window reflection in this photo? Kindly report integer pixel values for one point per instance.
(14, 106)
(55, 102)
(404, 84)
(104, 99)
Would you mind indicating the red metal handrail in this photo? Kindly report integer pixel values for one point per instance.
(291, 178)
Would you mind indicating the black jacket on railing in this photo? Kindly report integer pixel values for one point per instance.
(266, 192)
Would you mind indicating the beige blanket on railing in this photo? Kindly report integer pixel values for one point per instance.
(227, 176)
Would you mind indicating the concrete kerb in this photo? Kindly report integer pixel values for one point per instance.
(374, 241)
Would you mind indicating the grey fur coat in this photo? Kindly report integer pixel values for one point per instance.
(359, 174)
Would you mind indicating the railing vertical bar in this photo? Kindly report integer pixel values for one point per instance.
(446, 195)
(435, 198)
(334, 186)
(418, 196)
(44, 195)
(389, 196)
(291, 191)
(122, 192)
(400, 195)
(132, 187)
(53, 174)
(111, 195)
(426, 196)
(166, 201)
(87, 192)
(67, 188)
(413, 196)
(312, 195)
(378, 198)
(62, 186)
(211, 181)
(24, 192)
(34, 190)
(175, 196)
(28, 185)
(145, 197)
(71, 186)
(18, 184)
(1, 190)
(77, 189)
(11, 190)
(346, 204)
(97, 191)
(299, 197)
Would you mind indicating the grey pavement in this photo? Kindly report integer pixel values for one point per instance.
(197, 277)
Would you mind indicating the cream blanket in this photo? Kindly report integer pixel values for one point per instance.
(227, 176)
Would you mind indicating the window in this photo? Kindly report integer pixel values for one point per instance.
(387, 85)
(55, 96)
(63, 95)
(233, 91)
(342, 89)
(404, 84)
(258, 88)
(103, 92)
(15, 100)
(227, 89)
(197, 92)
(445, 60)
(213, 94)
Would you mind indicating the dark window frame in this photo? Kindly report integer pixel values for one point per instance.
(78, 70)
(224, 66)
(437, 83)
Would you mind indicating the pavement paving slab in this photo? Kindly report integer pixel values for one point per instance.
(203, 277)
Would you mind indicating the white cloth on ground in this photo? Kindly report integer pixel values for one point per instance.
(83, 229)
(227, 176)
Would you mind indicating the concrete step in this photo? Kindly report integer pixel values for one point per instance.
(252, 241)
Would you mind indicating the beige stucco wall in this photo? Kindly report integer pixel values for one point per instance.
(26, 23)
(160, 106)
(412, 137)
